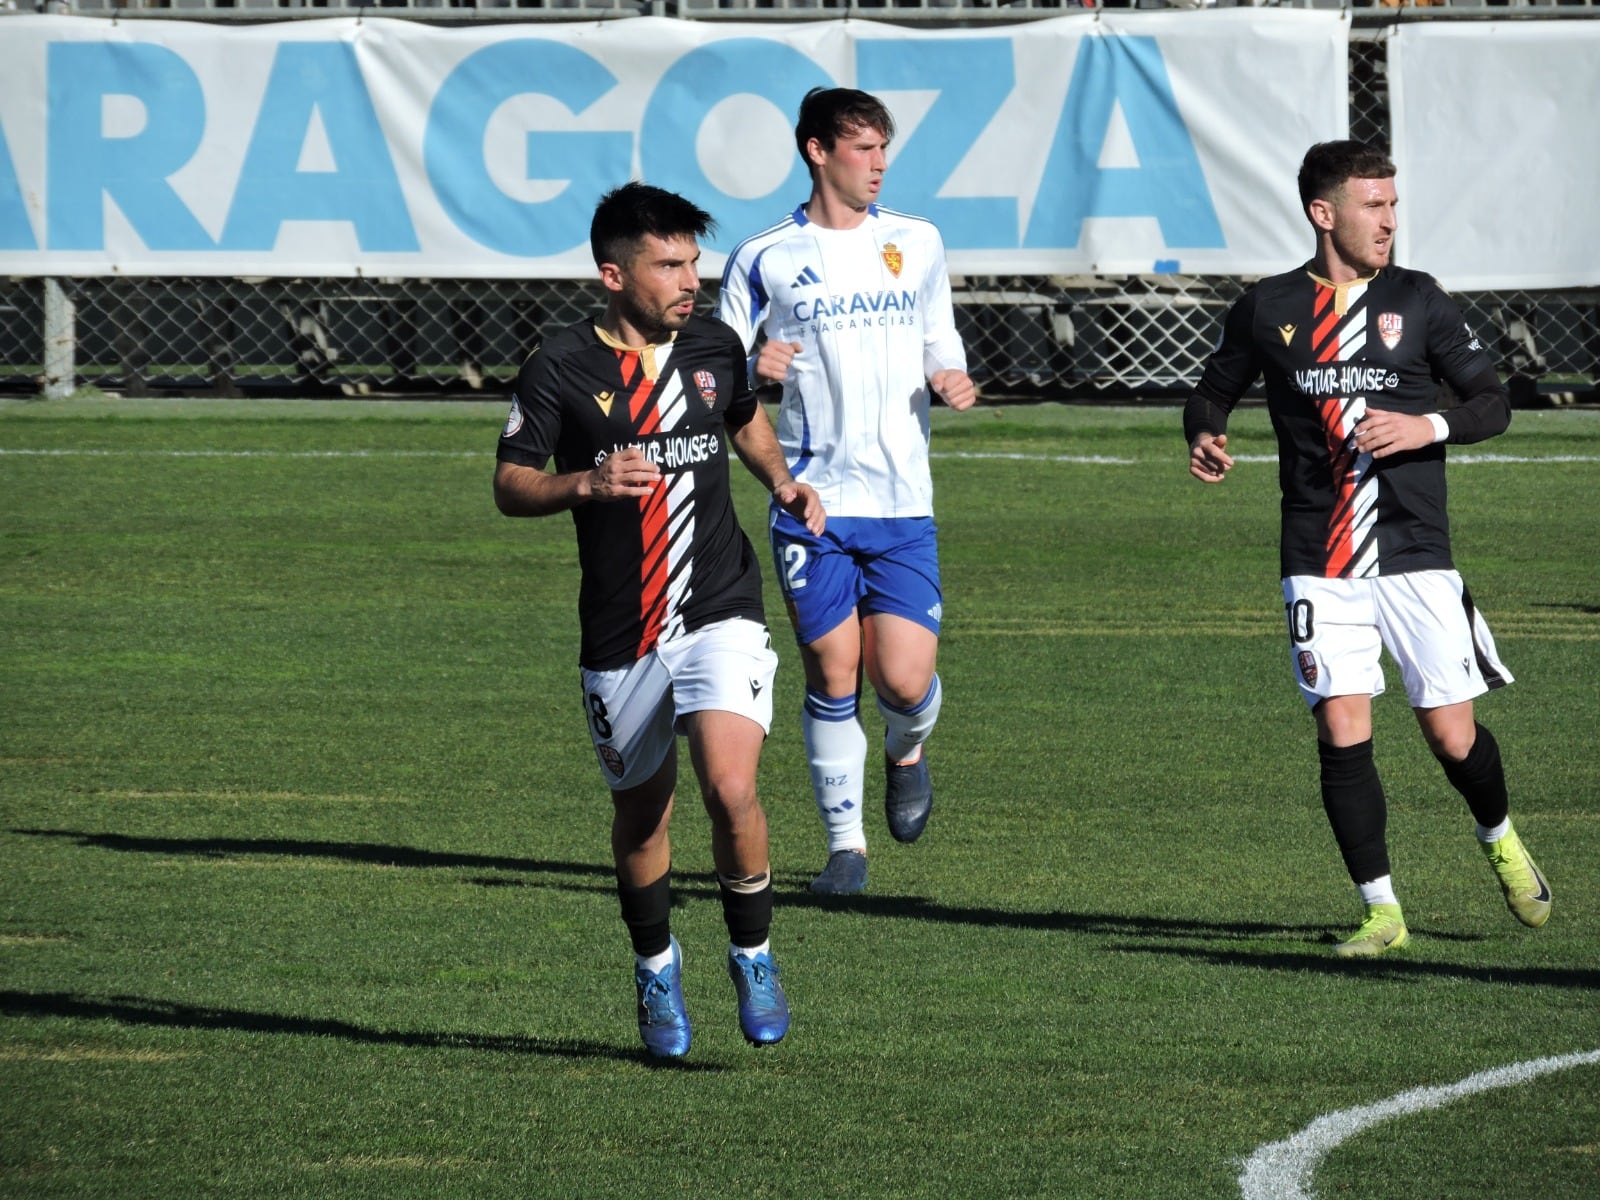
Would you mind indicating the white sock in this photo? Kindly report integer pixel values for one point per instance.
(656, 963)
(836, 748)
(750, 951)
(1487, 835)
(905, 729)
(1379, 891)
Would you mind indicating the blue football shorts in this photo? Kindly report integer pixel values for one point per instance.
(868, 565)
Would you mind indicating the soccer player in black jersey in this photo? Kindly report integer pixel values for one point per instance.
(1352, 350)
(637, 408)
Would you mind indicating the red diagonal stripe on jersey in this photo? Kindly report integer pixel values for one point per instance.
(653, 570)
(1341, 544)
(1324, 341)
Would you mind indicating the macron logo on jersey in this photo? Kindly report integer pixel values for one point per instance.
(805, 279)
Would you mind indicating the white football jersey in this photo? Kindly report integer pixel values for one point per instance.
(871, 309)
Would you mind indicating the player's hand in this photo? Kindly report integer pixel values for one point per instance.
(800, 501)
(624, 475)
(1381, 432)
(955, 388)
(772, 364)
(1208, 458)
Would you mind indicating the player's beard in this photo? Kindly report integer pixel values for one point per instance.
(658, 323)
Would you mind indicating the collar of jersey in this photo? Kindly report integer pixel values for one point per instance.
(800, 217)
(646, 352)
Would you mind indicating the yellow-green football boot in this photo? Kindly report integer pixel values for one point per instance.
(1527, 893)
(1383, 930)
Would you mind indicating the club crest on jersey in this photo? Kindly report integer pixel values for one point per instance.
(1308, 667)
(893, 259)
(613, 760)
(1390, 326)
(707, 383)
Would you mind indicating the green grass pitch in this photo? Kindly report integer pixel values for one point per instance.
(304, 873)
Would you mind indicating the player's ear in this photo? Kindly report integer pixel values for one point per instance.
(815, 152)
(1321, 213)
(611, 275)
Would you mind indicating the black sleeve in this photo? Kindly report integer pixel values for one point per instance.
(1229, 372)
(534, 423)
(1459, 359)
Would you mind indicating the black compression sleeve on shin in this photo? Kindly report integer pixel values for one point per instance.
(1480, 777)
(1352, 796)
(748, 915)
(647, 912)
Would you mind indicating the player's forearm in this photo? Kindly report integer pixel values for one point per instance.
(1202, 415)
(758, 448)
(526, 492)
(1484, 411)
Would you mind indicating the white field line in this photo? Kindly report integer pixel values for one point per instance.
(1282, 1170)
(955, 455)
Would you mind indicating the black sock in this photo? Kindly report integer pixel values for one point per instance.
(647, 912)
(1480, 777)
(748, 914)
(1352, 796)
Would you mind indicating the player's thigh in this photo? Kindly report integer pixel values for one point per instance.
(900, 657)
(725, 750)
(630, 714)
(1435, 633)
(1334, 643)
(818, 576)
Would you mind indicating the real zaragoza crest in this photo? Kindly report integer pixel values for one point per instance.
(893, 259)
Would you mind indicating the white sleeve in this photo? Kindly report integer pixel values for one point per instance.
(941, 346)
(743, 299)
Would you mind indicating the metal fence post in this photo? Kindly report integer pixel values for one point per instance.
(60, 341)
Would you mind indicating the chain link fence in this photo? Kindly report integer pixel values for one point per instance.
(1027, 337)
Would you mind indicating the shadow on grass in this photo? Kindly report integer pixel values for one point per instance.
(792, 890)
(163, 1014)
(356, 852)
(1387, 967)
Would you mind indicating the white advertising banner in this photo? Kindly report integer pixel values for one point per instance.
(1495, 137)
(1147, 142)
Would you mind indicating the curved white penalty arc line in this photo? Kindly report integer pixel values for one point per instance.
(1282, 1170)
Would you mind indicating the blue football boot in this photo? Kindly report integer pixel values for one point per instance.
(763, 1010)
(663, 1019)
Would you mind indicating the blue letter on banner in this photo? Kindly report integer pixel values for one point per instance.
(973, 77)
(689, 90)
(1167, 184)
(589, 163)
(318, 78)
(15, 232)
(83, 165)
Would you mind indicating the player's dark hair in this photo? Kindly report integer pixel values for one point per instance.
(1328, 165)
(626, 214)
(829, 114)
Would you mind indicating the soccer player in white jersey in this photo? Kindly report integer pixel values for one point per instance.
(853, 303)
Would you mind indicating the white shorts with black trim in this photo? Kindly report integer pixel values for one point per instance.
(636, 711)
(1337, 628)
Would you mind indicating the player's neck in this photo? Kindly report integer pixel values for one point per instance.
(828, 211)
(1332, 269)
(622, 334)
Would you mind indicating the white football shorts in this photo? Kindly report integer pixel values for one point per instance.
(635, 712)
(1426, 619)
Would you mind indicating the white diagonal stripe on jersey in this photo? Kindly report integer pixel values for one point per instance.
(680, 541)
(670, 403)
